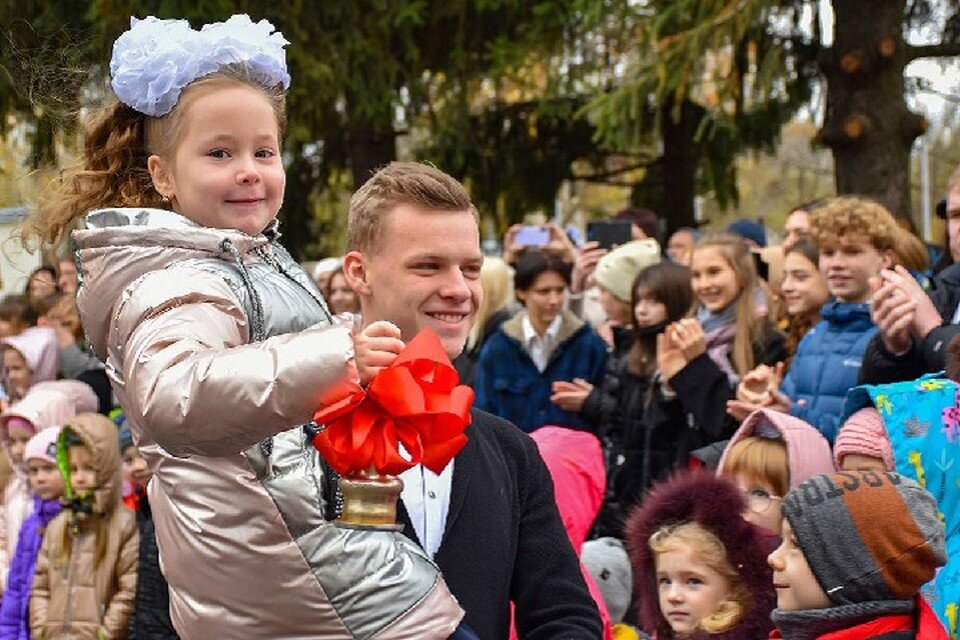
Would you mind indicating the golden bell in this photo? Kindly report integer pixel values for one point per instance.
(370, 501)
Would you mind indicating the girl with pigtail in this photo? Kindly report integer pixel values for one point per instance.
(220, 348)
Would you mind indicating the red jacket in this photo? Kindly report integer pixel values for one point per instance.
(922, 624)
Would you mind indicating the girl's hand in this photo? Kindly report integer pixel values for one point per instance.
(375, 347)
(670, 359)
(757, 386)
(689, 337)
(585, 264)
(570, 396)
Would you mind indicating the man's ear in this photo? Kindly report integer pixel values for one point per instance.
(160, 175)
(355, 271)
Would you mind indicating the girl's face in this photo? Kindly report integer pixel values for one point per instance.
(45, 479)
(649, 311)
(714, 280)
(226, 172)
(19, 436)
(544, 299)
(135, 469)
(689, 590)
(17, 374)
(763, 503)
(342, 297)
(616, 309)
(41, 285)
(83, 474)
(804, 290)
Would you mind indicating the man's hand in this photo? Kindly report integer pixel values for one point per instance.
(560, 244)
(375, 348)
(570, 396)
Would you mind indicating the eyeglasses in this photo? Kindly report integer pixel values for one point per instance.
(759, 500)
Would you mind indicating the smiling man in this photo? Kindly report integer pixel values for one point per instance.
(489, 519)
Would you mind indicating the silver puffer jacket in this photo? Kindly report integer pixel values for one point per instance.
(219, 346)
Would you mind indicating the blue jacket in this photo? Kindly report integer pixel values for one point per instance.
(509, 385)
(827, 364)
(14, 623)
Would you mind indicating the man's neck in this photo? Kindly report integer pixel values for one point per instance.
(539, 326)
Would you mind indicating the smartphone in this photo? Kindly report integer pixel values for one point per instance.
(532, 236)
(610, 232)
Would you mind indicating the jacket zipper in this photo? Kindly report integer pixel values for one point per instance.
(71, 574)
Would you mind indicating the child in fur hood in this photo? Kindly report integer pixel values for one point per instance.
(699, 566)
(857, 546)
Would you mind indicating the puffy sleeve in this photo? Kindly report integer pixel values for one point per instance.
(180, 336)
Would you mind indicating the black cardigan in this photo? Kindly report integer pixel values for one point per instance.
(504, 541)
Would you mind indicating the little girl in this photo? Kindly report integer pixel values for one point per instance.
(220, 348)
(29, 357)
(86, 576)
(46, 484)
(771, 453)
(700, 569)
(703, 358)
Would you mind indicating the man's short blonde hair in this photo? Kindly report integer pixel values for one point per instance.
(850, 215)
(411, 183)
(954, 182)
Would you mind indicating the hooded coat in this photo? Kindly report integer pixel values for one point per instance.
(220, 349)
(808, 452)
(45, 405)
(41, 350)
(715, 504)
(75, 596)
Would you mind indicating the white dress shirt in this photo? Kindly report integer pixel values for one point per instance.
(426, 496)
(540, 347)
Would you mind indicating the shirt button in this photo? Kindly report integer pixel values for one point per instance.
(431, 494)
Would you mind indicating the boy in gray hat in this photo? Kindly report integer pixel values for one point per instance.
(857, 547)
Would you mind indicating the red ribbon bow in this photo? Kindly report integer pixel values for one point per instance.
(417, 401)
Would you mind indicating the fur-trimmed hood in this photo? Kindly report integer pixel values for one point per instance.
(715, 504)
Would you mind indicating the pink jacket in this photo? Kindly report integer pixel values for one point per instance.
(808, 452)
(219, 349)
(40, 349)
(575, 461)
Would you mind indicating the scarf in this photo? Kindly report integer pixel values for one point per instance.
(810, 624)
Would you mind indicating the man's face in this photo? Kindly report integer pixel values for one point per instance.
(848, 263)
(424, 273)
(680, 247)
(953, 223)
(796, 227)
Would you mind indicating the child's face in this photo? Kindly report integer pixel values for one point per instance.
(714, 280)
(45, 479)
(19, 436)
(848, 264)
(83, 474)
(11, 327)
(135, 469)
(616, 309)
(689, 590)
(797, 588)
(227, 172)
(763, 503)
(18, 375)
(804, 290)
(861, 462)
(648, 311)
(41, 284)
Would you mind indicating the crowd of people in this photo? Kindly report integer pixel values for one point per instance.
(682, 437)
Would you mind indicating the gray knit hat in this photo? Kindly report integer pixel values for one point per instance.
(608, 564)
(867, 535)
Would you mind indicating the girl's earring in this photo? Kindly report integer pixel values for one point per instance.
(164, 197)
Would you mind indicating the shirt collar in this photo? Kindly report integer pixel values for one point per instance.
(529, 333)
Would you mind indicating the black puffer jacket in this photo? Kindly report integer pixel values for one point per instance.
(151, 610)
(928, 355)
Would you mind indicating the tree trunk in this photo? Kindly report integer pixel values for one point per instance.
(368, 149)
(868, 126)
(297, 214)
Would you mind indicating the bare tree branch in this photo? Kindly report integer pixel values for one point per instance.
(941, 50)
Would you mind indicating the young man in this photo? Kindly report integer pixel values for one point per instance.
(489, 519)
(855, 238)
(857, 546)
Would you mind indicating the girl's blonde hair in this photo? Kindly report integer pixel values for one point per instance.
(708, 549)
(497, 292)
(760, 459)
(747, 321)
(117, 143)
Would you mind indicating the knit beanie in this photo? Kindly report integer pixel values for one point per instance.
(617, 270)
(864, 433)
(43, 446)
(867, 536)
(749, 230)
(608, 564)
